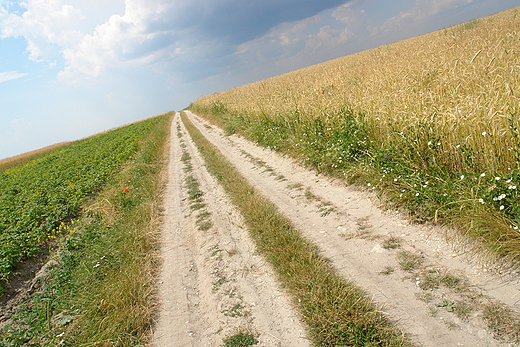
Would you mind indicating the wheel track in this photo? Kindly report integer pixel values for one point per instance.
(360, 256)
(212, 283)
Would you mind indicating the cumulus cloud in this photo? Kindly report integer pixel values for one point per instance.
(422, 10)
(46, 25)
(147, 31)
(290, 46)
(350, 13)
(292, 35)
(328, 38)
(7, 76)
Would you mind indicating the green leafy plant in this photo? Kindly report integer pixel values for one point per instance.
(241, 339)
(99, 286)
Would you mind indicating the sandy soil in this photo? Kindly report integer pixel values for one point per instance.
(212, 283)
(362, 240)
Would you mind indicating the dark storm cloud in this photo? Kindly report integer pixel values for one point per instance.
(241, 21)
(208, 32)
(234, 21)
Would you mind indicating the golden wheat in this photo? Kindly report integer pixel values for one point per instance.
(461, 83)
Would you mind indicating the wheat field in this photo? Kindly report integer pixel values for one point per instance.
(462, 82)
(432, 121)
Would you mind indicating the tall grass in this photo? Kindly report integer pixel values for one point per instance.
(433, 121)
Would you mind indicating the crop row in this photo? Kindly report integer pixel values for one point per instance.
(35, 198)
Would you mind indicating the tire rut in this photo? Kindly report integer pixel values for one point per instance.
(372, 247)
(212, 283)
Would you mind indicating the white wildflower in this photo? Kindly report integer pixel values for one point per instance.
(500, 197)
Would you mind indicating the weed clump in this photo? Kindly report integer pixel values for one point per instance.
(241, 339)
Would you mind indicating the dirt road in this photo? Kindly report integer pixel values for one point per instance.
(213, 284)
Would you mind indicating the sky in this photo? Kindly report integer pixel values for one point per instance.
(73, 68)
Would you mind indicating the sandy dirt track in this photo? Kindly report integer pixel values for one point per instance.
(207, 273)
(213, 284)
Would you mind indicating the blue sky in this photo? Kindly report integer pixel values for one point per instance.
(73, 68)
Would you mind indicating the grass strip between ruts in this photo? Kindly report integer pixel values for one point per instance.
(335, 311)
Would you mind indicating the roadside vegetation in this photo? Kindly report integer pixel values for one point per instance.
(95, 205)
(336, 312)
(432, 123)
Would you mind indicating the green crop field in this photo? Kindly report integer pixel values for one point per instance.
(95, 205)
(35, 198)
(432, 122)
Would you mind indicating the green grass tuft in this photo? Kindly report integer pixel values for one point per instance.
(241, 339)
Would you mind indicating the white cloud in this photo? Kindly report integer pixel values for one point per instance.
(7, 76)
(327, 38)
(124, 40)
(20, 125)
(46, 25)
(350, 13)
(290, 46)
(146, 32)
(294, 33)
(422, 10)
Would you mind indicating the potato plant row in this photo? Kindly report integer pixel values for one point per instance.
(39, 195)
